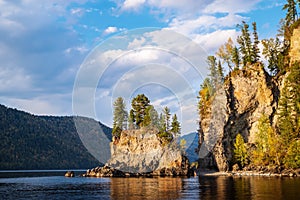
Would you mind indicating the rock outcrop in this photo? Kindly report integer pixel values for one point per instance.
(295, 46)
(245, 96)
(142, 152)
(69, 174)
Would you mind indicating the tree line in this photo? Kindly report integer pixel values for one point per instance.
(143, 114)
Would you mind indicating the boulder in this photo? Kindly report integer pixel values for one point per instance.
(69, 174)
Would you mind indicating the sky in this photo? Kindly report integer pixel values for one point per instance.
(75, 57)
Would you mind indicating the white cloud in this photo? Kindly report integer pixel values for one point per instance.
(77, 11)
(232, 6)
(14, 80)
(132, 4)
(137, 43)
(212, 41)
(110, 30)
(209, 31)
(53, 104)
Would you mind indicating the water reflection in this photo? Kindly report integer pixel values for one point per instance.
(146, 188)
(60, 187)
(249, 188)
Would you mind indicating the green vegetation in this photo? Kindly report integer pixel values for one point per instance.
(42, 142)
(274, 51)
(175, 126)
(143, 114)
(267, 145)
(139, 107)
(120, 117)
(240, 151)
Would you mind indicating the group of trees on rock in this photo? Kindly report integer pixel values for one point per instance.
(246, 53)
(143, 114)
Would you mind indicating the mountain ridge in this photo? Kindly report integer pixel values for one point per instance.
(42, 142)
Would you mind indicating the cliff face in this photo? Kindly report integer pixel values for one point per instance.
(295, 46)
(142, 151)
(236, 108)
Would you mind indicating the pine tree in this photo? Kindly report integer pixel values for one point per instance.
(162, 127)
(291, 15)
(139, 105)
(273, 52)
(120, 117)
(212, 66)
(220, 73)
(236, 57)
(131, 121)
(175, 126)
(154, 118)
(255, 49)
(167, 115)
(245, 43)
(151, 117)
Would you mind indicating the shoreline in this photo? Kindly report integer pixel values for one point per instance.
(291, 173)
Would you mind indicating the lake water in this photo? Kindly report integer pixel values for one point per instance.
(53, 185)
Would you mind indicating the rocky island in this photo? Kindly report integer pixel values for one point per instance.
(143, 153)
(148, 148)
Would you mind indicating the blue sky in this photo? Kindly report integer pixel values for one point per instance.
(45, 45)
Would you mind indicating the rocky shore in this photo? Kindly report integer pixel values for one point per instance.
(107, 171)
(263, 173)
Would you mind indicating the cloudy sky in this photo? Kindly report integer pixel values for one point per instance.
(75, 57)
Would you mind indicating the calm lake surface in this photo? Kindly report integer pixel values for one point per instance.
(53, 185)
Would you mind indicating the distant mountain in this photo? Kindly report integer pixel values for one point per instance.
(43, 142)
(191, 146)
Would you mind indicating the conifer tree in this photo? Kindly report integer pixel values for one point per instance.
(162, 127)
(212, 66)
(255, 49)
(273, 52)
(120, 117)
(131, 122)
(245, 43)
(291, 15)
(167, 115)
(220, 73)
(236, 57)
(175, 126)
(151, 118)
(139, 105)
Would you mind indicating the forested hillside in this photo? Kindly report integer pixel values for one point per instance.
(42, 142)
